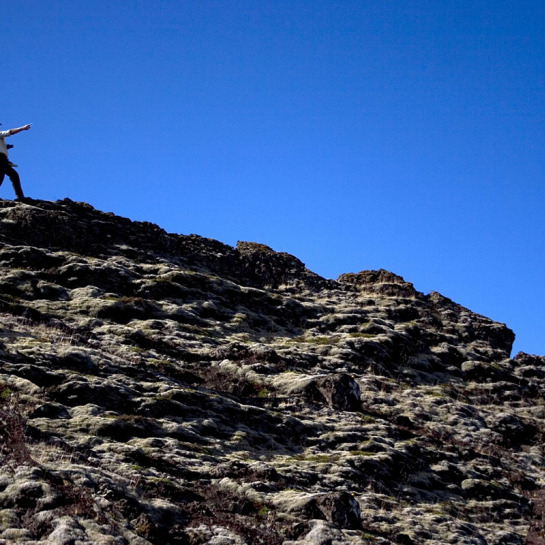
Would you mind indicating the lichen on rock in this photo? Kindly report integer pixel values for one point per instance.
(170, 389)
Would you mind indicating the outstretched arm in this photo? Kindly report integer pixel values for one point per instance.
(23, 128)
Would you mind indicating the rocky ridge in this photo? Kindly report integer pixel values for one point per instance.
(160, 388)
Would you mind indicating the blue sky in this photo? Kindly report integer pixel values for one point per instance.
(404, 135)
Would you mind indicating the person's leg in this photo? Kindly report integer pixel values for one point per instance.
(15, 182)
(3, 165)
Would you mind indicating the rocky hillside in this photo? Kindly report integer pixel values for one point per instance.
(169, 389)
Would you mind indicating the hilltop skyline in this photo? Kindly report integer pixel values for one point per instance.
(405, 136)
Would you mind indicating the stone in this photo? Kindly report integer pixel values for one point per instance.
(341, 509)
(340, 392)
(166, 388)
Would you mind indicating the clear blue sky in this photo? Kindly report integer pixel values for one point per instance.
(403, 134)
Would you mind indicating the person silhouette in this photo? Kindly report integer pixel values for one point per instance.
(6, 167)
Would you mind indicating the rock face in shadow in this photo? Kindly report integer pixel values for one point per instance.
(170, 389)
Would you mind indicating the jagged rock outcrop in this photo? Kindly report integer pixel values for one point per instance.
(161, 388)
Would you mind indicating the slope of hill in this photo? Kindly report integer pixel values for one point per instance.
(169, 389)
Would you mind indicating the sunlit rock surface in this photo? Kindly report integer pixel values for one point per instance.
(169, 389)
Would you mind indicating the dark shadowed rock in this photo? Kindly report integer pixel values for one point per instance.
(381, 282)
(264, 267)
(341, 509)
(340, 392)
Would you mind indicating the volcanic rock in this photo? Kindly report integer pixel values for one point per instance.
(158, 388)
